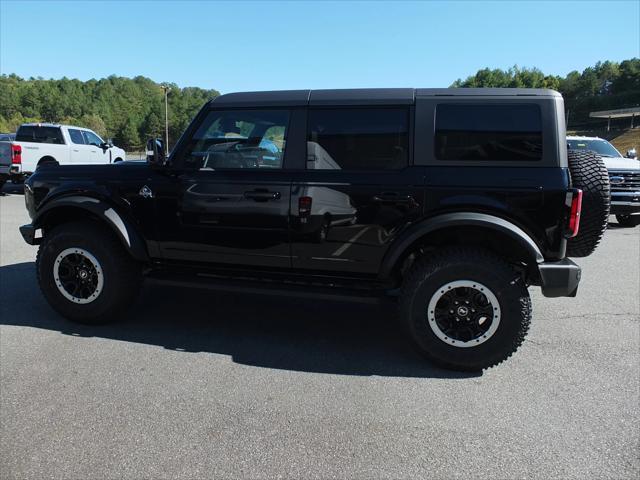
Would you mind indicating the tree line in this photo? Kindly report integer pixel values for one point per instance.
(604, 86)
(130, 110)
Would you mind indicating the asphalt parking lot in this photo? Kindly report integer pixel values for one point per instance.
(194, 384)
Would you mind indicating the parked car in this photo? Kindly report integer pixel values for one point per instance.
(7, 137)
(453, 201)
(624, 175)
(36, 144)
(5, 162)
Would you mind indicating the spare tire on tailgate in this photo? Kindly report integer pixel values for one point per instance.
(589, 174)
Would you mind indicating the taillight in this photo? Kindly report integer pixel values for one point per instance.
(16, 154)
(574, 200)
(304, 206)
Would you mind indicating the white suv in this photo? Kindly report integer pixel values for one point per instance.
(40, 143)
(624, 175)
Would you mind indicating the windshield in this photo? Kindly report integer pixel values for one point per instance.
(601, 147)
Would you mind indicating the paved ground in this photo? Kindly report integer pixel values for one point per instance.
(195, 386)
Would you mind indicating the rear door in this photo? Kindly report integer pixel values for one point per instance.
(229, 202)
(358, 191)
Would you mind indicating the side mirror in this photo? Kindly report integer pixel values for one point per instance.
(632, 153)
(110, 142)
(155, 151)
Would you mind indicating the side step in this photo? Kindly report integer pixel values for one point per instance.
(260, 287)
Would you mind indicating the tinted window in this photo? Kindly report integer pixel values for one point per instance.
(91, 138)
(239, 139)
(76, 136)
(34, 133)
(358, 139)
(488, 132)
(601, 147)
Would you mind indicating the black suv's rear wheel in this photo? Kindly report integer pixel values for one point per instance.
(465, 309)
(589, 174)
(85, 274)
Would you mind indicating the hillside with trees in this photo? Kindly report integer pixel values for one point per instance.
(127, 110)
(130, 110)
(604, 86)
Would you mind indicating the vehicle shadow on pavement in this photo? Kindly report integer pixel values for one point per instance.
(336, 337)
(12, 189)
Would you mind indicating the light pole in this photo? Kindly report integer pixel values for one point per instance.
(166, 117)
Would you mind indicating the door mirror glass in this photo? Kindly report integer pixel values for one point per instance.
(632, 153)
(155, 151)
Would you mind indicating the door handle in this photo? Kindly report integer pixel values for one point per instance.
(392, 197)
(262, 195)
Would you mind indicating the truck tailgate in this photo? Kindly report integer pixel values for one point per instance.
(5, 154)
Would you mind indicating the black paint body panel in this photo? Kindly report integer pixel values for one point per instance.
(204, 220)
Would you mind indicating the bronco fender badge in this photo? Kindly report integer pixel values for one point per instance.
(145, 192)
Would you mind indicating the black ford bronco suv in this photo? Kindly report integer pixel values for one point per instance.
(455, 201)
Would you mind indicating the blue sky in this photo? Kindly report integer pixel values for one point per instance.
(283, 45)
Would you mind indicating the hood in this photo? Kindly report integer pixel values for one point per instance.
(621, 163)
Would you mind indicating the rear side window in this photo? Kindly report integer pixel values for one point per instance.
(76, 136)
(358, 139)
(36, 134)
(488, 132)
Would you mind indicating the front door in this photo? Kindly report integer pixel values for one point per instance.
(96, 154)
(229, 201)
(80, 152)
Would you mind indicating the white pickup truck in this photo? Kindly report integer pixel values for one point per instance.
(39, 143)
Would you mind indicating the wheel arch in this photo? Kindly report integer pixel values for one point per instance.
(79, 207)
(468, 229)
(47, 159)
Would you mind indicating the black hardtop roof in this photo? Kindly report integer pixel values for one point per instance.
(366, 96)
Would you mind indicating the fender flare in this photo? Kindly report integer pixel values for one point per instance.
(124, 229)
(457, 219)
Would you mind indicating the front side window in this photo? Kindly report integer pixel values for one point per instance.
(91, 138)
(37, 134)
(76, 136)
(238, 139)
(358, 139)
(488, 132)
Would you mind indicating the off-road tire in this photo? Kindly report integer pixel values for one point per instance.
(121, 273)
(589, 174)
(628, 220)
(433, 271)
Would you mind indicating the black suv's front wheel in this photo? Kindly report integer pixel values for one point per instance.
(85, 274)
(465, 308)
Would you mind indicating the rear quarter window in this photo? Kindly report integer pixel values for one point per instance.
(38, 134)
(466, 132)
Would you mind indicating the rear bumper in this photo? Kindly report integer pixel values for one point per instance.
(28, 232)
(559, 279)
(625, 203)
